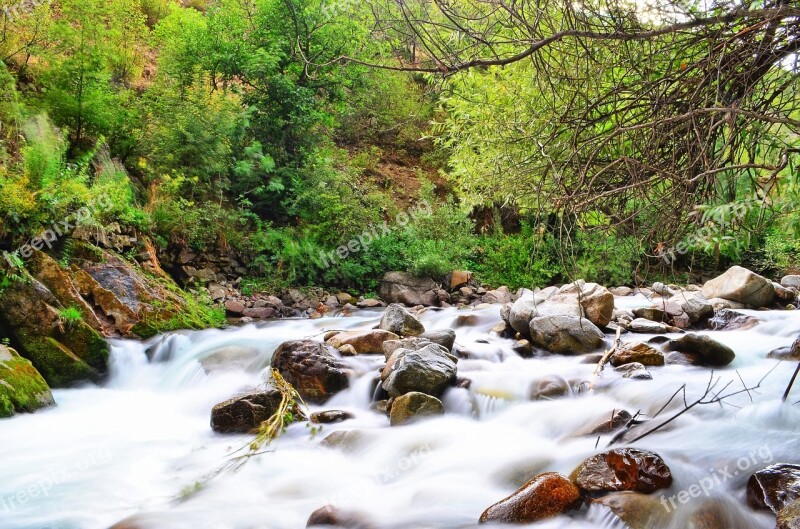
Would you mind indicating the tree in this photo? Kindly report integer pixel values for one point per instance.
(608, 113)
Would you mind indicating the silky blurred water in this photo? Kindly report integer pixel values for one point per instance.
(141, 443)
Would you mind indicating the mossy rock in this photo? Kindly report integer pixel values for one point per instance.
(22, 388)
(64, 353)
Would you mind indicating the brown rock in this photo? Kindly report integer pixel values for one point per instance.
(363, 342)
(234, 307)
(263, 313)
(331, 416)
(545, 496)
(615, 420)
(639, 352)
(623, 469)
(459, 278)
(245, 413)
(414, 405)
(311, 369)
(774, 487)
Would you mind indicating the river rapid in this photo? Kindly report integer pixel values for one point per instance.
(141, 444)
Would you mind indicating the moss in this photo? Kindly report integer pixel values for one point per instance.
(192, 312)
(22, 388)
(87, 344)
(59, 366)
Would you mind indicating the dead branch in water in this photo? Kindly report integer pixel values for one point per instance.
(606, 357)
(711, 395)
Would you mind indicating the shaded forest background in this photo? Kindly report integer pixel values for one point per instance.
(619, 142)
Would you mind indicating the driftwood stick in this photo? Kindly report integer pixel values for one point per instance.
(604, 360)
(791, 383)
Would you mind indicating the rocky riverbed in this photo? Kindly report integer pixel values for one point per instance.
(571, 406)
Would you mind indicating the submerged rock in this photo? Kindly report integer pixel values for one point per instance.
(396, 319)
(703, 350)
(634, 370)
(742, 286)
(729, 320)
(634, 509)
(22, 388)
(311, 369)
(330, 516)
(414, 405)
(545, 496)
(622, 469)
(330, 416)
(244, 414)
(614, 421)
(787, 353)
(549, 388)
(774, 487)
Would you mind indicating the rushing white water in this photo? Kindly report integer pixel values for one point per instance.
(139, 443)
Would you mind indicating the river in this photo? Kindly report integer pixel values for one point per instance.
(141, 444)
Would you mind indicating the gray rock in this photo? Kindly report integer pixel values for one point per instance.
(694, 304)
(428, 370)
(244, 414)
(791, 281)
(644, 326)
(634, 370)
(398, 320)
(444, 337)
(565, 334)
(741, 285)
(703, 350)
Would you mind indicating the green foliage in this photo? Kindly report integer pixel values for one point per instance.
(70, 316)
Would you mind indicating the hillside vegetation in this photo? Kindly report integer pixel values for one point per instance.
(280, 130)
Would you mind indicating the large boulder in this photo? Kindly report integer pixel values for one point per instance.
(22, 388)
(622, 469)
(741, 285)
(564, 320)
(427, 370)
(694, 304)
(565, 334)
(244, 414)
(63, 351)
(396, 319)
(774, 487)
(412, 406)
(311, 368)
(363, 342)
(702, 350)
(545, 496)
(595, 300)
(408, 289)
